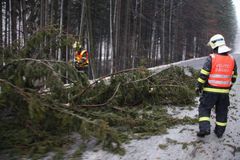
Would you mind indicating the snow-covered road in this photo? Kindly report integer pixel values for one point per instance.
(181, 142)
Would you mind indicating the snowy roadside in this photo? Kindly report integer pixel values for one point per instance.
(181, 143)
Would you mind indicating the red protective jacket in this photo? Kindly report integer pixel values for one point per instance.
(222, 71)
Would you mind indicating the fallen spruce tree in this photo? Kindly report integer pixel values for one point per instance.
(129, 104)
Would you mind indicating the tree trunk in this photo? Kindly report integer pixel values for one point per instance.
(125, 41)
(24, 27)
(92, 69)
(184, 52)
(111, 38)
(163, 32)
(117, 16)
(60, 30)
(1, 31)
(135, 35)
(170, 32)
(42, 8)
(14, 20)
(154, 25)
(1, 35)
(194, 46)
(82, 22)
(7, 24)
(51, 23)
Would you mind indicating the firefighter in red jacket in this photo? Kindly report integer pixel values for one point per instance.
(81, 61)
(215, 81)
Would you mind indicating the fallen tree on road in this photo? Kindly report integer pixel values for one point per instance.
(131, 102)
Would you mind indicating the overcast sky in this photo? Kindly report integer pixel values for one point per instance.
(237, 9)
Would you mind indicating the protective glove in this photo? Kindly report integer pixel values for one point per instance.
(198, 90)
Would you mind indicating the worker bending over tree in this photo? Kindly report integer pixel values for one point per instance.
(81, 61)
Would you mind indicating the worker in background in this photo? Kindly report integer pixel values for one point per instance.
(216, 78)
(81, 61)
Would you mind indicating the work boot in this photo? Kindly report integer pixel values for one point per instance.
(218, 134)
(203, 133)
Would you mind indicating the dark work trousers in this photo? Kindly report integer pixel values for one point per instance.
(207, 101)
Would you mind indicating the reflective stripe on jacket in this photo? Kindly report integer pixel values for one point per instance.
(221, 71)
(79, 56)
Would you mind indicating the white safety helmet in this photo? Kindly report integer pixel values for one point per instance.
(76, 45)
(216, 41)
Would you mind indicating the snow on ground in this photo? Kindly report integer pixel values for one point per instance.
(181, 142)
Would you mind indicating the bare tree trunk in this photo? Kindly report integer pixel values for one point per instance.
(154, 25)
(170, 32)
(82, 21)
(116, 20)
(1, 30)
(67, 52)
(1, 33)
(184, 52)
(125, 41)
(7, 24)
(42, 17)
(14, 20)
(107, 67)
(92, 68)
(139, 42)
(111, 38)
(163, 32)
(101, 46)
(24, 29)
(10, 24)
(194, 46)
(135, 36)
(42, 8)
(51, 23)
(60, 32)
(45, 19)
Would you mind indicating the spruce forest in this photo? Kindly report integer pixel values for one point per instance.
(44, 99)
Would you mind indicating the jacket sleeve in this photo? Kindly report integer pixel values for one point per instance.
(204, 73)
(235, 74)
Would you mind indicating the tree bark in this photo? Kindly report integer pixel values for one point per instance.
(111, 38)
(117, 17)
(14, 20)
(163, 32)
(92, 62)
(82, 22)
(184, 52)
(1, 28)
(60, 30)
(154, 25)
(194, 46)
(7, 24)
(125, 41)
(135, 34)
(24, 27)
(170, 32)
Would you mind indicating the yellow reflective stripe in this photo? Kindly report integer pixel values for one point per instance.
(84, 51)
(204, 119)
(221, 124)
(220, 76)
(234, 76)
(218, 82)
(216, 90)
(204, 72)
(201, 80)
